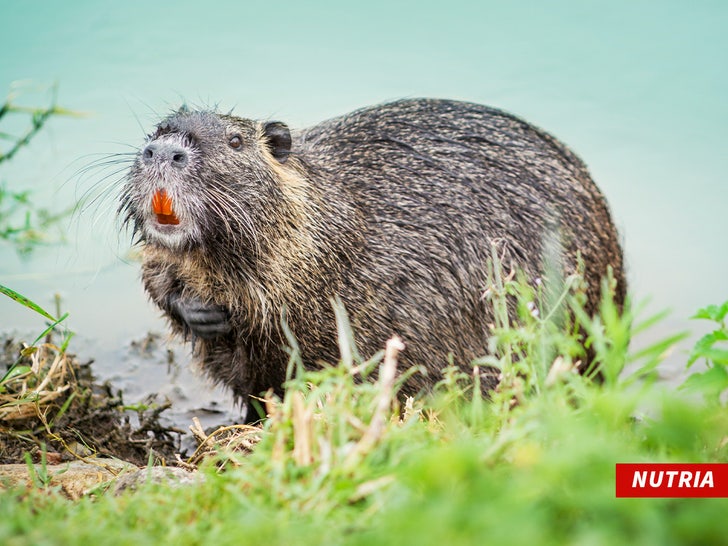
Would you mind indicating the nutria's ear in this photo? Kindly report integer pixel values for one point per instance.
(278, 138)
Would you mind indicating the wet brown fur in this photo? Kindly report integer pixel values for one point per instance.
(392, 208)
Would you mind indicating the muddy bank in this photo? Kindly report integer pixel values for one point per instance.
(61, 427)
(50, 402)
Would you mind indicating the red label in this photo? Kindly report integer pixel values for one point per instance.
(672, 480)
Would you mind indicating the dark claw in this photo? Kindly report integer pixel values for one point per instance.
(203, 320)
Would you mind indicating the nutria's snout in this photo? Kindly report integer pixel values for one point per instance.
(164, 171)
(158, 198)
(165, 153)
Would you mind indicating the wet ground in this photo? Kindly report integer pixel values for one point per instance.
(98, 417)
(74, 416)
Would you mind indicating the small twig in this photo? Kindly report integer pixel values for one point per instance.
(387, 374)
(184, 464)
(197, 430)
(206, 446)
(39, 118)
(302, 431)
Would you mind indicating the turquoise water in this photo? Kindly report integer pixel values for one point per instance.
(638, 89)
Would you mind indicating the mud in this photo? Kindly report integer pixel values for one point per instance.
(86, 418)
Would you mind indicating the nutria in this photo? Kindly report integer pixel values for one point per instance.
(392, 208)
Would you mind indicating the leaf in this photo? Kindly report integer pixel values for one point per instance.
(28, 351)
(716, 313)
(14, 372)
(657, 351)
(66, 341)
(704, 348)
(50, 328)
(718, 356)
(22, 300)
(648, 323)
(711, 383)
(347, 345)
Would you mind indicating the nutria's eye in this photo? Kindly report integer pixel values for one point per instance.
(235, 142)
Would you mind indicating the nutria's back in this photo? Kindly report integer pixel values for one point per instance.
(393, 208)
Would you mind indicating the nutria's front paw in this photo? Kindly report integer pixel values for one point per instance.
(204, 320)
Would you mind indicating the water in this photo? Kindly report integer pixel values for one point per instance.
(637, 89)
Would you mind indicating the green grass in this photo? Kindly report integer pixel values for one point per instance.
(341, 462)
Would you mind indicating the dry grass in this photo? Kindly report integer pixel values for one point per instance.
(51, 406)
(38, 386)
(229, 439)
(302, 427)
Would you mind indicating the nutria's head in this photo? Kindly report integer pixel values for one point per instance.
(204, 178)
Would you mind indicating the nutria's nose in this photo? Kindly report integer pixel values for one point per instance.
(165, 152)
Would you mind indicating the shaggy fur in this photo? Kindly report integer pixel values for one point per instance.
(393, 208)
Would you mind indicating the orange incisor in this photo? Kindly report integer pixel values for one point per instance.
(162, 207)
